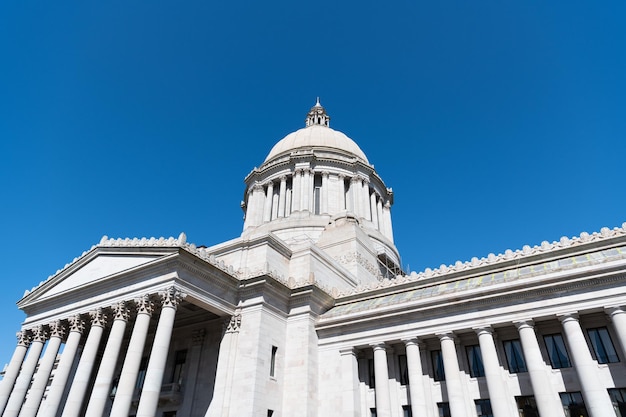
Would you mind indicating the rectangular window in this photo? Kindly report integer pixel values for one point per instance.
(406, 411)
(372, 412)
(526, 406)
(483, 408)
(618, 398)
(270, 413)
(371, 374)
(573, 404)
(317, 194)
(475, 361)
(443, 409)
(404, 370)
(556, 351)
(514, 356)
(179, 362)
(602, 345)
(438, 371)
(169, 414)
(273, 361)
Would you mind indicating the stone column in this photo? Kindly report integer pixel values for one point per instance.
(246, 206)
(76, 396)
(296, 190)
(324, 196)
(149, 400)
(269, 197)
(39, 334)
(132, 362)
(225, 364)
(374, 209)
(381, 219)
(548, 400)
(454, 386)
(342, 192)
(37, 389)
(594, 391)
(500, 403)
(350, 383)
(104, 378)
(282, 196)
(618, 317)
(307, 189)
(10, 375)
(195, 353)
(365, 201)
(416, 380)
(57, 388)
(387, 220)
(355, 188)
(383, 398)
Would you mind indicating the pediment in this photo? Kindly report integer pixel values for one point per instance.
(89, 270)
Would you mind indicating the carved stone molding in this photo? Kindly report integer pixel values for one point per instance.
(234, 324)
(197, 337)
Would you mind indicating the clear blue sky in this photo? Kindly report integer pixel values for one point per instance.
(497, 124)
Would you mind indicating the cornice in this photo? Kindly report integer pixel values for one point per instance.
(525, 257)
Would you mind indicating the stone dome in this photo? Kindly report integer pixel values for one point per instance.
(316, 135)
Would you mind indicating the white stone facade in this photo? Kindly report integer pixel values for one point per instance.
(308, 313)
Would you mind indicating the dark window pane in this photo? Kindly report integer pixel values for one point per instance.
(573, 404)
(602, 345)
(439, 374)
(404, 370)
(556, 351)
(475, 361)
(514, 356)
(483, 408)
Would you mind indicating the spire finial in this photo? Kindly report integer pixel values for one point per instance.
(317, 115)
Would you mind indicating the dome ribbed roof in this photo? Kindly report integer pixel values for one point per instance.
(317, 135)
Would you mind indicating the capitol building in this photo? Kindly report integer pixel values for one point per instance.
(309, 313)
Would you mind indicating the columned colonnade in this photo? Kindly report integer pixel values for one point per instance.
(319, 193)
(22, 368)
(594, 392)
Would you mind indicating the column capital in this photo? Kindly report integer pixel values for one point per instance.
(171, 297)
(283, 178)
(57, 329)
(325, 174)
(77, 324)
(341, 176)
(234, 323)
(98, 317)
(144, 305)
(568, 317)
(614, 310)
(483, 329)
(378, 346)
(526, 323)
(257, 187)
(409, 341)
(121, 311)
(447, 336)
(23, 338)
(39, 333)
(348, 351)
